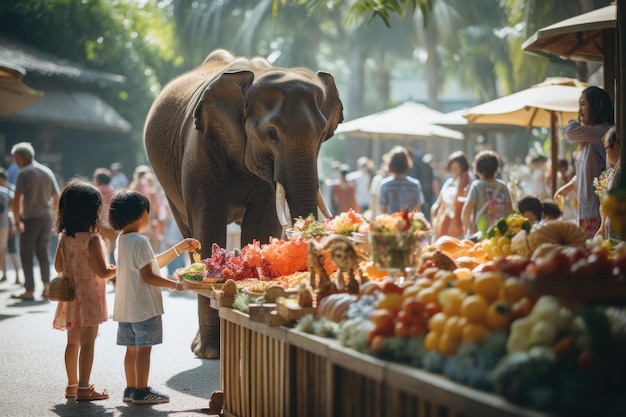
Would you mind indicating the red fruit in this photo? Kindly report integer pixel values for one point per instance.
(391, 286)
(564, 346)
(401, 329)
(575, 253)
(582, 270)
(619, 268)
(377, 343)
(601, 265)
(513, 265)
(553, 265)
(413, 306)
(488, 266)
(432, 309)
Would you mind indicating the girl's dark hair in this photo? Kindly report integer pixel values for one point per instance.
(399, 161)
(126, 207)
(532, 204)
(78, 208)
(102, 176)
(600, 106)
(486, 163)
(461, 158)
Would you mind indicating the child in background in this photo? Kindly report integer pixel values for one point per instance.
(81, 254)
(400, 191)
(488, 198)
(550, 210)
(138, 301)
(531, 208)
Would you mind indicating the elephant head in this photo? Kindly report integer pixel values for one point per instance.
(272, 122)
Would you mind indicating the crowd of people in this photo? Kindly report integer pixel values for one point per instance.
(473, 195)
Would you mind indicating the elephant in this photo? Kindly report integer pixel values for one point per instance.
(237, 140)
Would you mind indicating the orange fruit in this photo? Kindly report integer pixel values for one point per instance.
(437, 322)
(427, 295)
(454, 326)
(431, 341)
(448, 344)
(466, 284)
(498, 316)
(487, 284)
(512, 290)
(463, 273)
(474, 308)
(445, 276)
(474, 332)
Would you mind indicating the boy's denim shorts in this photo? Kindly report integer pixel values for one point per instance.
(143, 333)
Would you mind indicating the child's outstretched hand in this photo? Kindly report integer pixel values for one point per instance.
(188, 245)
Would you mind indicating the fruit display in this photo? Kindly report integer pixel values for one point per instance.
(485, 320)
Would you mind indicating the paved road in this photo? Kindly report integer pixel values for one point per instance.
(32, 371)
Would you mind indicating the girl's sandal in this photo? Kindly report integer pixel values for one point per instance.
(71, 391)
(92, 394)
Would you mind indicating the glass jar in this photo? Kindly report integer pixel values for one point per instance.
(393, 250)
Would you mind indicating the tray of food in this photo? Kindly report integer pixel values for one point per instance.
(197, 280)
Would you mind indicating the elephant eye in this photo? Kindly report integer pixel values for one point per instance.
(272, 135)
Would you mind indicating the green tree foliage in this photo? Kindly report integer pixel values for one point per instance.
(130, 38)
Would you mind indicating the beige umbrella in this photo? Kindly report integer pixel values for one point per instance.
(408, 121)
(551, 103)
(14, 94)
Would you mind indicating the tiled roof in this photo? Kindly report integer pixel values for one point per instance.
(42, 64)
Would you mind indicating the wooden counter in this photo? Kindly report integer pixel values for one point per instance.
(281, 372)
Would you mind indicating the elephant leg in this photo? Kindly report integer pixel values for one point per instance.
(259, 222)
(206, 344)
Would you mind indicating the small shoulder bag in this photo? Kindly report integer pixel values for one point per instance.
(62, 286)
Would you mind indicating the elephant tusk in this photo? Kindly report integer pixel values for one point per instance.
(281, 197)
(321, 203)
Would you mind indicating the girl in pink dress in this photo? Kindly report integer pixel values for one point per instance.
(81, 254)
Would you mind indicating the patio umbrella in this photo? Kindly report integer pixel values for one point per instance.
(408, 121)
(14, 94)
(551, 103)
(586, 37)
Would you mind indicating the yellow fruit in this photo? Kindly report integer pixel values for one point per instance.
(431, 341)
(503, 241)
(465, 284)
(474, 332)
(488, 285)
(437, 322)
(411, 291)
(391, 301)
(463, 273)
(448, 344)
(512, 290)
(474, 308)
(427, 295)
(498, 316)
(454, 326)
(450, 300)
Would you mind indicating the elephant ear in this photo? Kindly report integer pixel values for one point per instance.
(219, 113)
(332, 108)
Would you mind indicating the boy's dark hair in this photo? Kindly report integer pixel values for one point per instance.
(532, 204)
(102, 176)
(126, 207)
(551, 209)
(600, 106)
(399, 161)
(78, 208)
(486, 163)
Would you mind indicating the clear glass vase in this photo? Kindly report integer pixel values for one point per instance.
(393, 250)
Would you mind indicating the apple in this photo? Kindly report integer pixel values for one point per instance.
(554, 265)
(513, 265)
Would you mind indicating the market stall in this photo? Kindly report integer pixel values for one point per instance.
(527, 322)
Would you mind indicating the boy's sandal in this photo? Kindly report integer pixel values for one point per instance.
(92, 394)
(71, 391)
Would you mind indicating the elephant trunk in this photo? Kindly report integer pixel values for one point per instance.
(299, 207)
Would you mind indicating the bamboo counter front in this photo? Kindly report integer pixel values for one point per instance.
(271, 371)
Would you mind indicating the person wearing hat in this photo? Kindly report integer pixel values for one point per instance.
(118, 178)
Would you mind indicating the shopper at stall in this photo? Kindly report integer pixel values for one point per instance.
(81, 254)
(400, 191)
(488, 198)
(446, 212)
(138, 301)
(595, 118)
